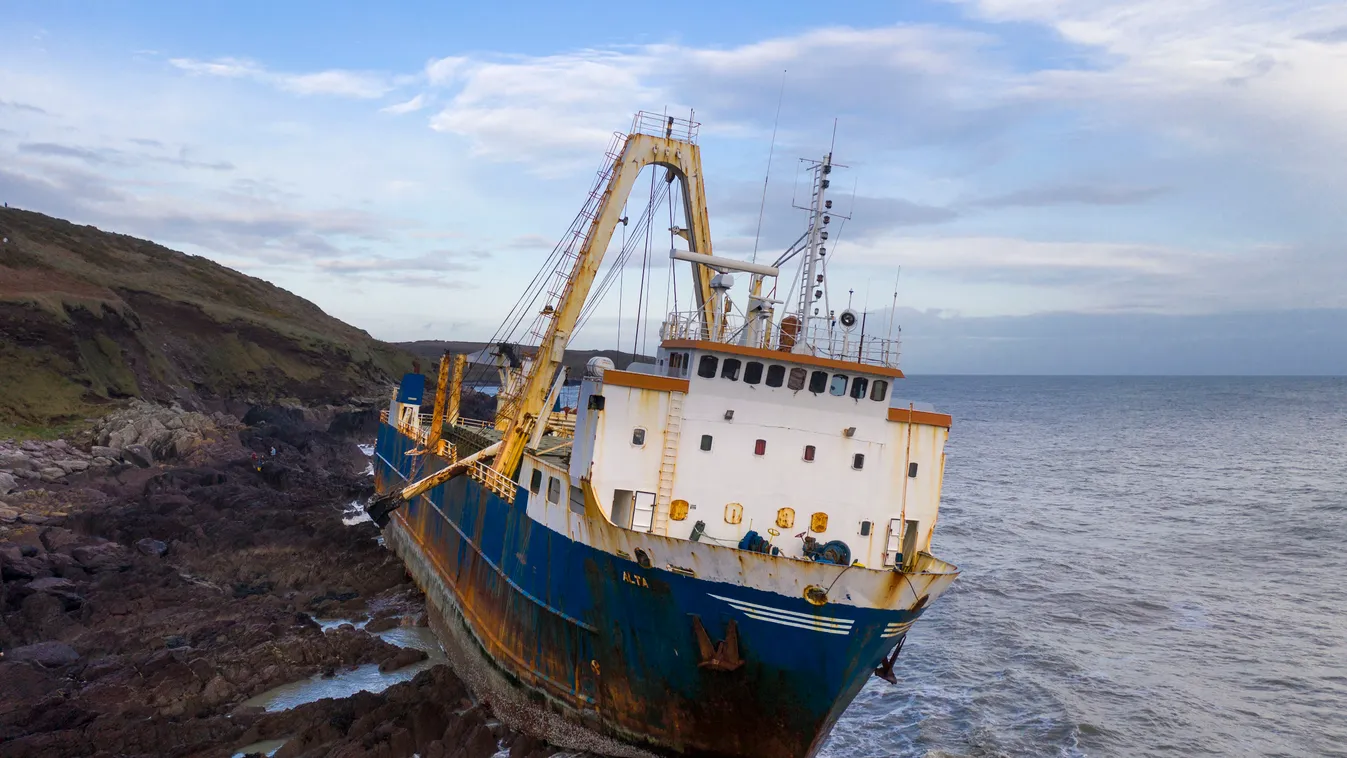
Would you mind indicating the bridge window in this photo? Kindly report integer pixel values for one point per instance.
(858, 461)
(638, 437)
(760, 447)
(879, 389)
(858, 388)
(818, 382)
(553, 490)
(706, 366)
(775, 375)
(706, 442)
(838, 386)
(797, 377)
(809, 452)
(536, 483)
(730, 369)
(753, 373)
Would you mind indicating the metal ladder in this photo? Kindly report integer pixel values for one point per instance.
(673, 431)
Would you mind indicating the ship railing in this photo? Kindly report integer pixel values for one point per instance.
(473, 423)
(823, 338)
(493, 480)
(662, 125)
(383, 416)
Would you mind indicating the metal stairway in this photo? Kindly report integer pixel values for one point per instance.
(673, 432)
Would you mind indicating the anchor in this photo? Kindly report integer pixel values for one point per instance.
(885, 669)
(719, 656)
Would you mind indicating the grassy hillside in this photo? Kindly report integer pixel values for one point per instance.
(88, 318)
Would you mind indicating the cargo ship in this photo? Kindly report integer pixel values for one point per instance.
(710, 554)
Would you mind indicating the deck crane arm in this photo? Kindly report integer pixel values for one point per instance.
(683, 158)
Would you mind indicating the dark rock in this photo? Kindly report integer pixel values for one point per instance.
(24, 569)
(405, 657)
(139, 455)
(50, 584)
(381, 625)
(108, 556)
(152, 547)
(58, 540)
(175, 641)
(49, 654)
(28, 551)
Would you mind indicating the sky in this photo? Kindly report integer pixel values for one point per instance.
(1094, 186)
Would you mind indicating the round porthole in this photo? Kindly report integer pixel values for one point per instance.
(643, 559)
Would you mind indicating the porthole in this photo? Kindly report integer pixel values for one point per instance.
(838, 386)
(858, 461)
(776, 375)
(760, 447)
(638, 437)
(730, 369)
(809, 452)
(912, 470)
(858, 387)
(536, 481)
(818, 382)
(706, 442)
(706, 366)
(797, 379)
(879, 389)
(553, 490)
(753, 373)
(734, 513)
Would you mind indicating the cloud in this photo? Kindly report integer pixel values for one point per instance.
(1068, 194)
(355, 84)
(23, 107)
(920, 85)
(106, 155)
(410, 106)
(434, 262)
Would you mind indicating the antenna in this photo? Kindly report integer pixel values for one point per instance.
(893, 309)
(762, 207)
(833, 143)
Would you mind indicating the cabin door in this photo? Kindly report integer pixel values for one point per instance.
(644, 511)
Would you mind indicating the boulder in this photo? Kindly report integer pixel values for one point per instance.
(72, 465)
(139, 455)
(48, 654)
(8, 515)
(7, 483)
(15, 460)
(50, 473)
(59, 540)
(32, 518)
(108, 556)
(152, 547)
(101, 462)
(103, 451)
(403, 658)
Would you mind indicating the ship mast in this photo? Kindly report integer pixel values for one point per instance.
(810, 286)
(653, 141)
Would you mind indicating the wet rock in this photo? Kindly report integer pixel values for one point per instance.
(404, 658)
(381, 624)
(152, 547)
(139, 455)
(7, 483)
(48, 654)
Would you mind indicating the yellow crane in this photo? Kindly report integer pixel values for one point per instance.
(681, 157)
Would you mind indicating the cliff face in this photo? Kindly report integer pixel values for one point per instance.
(88, 318)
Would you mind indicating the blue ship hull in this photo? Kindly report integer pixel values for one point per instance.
(590, 650)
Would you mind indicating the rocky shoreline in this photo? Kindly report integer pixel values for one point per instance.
(168, 565)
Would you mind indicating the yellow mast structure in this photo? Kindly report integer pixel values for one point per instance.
(681, 156)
